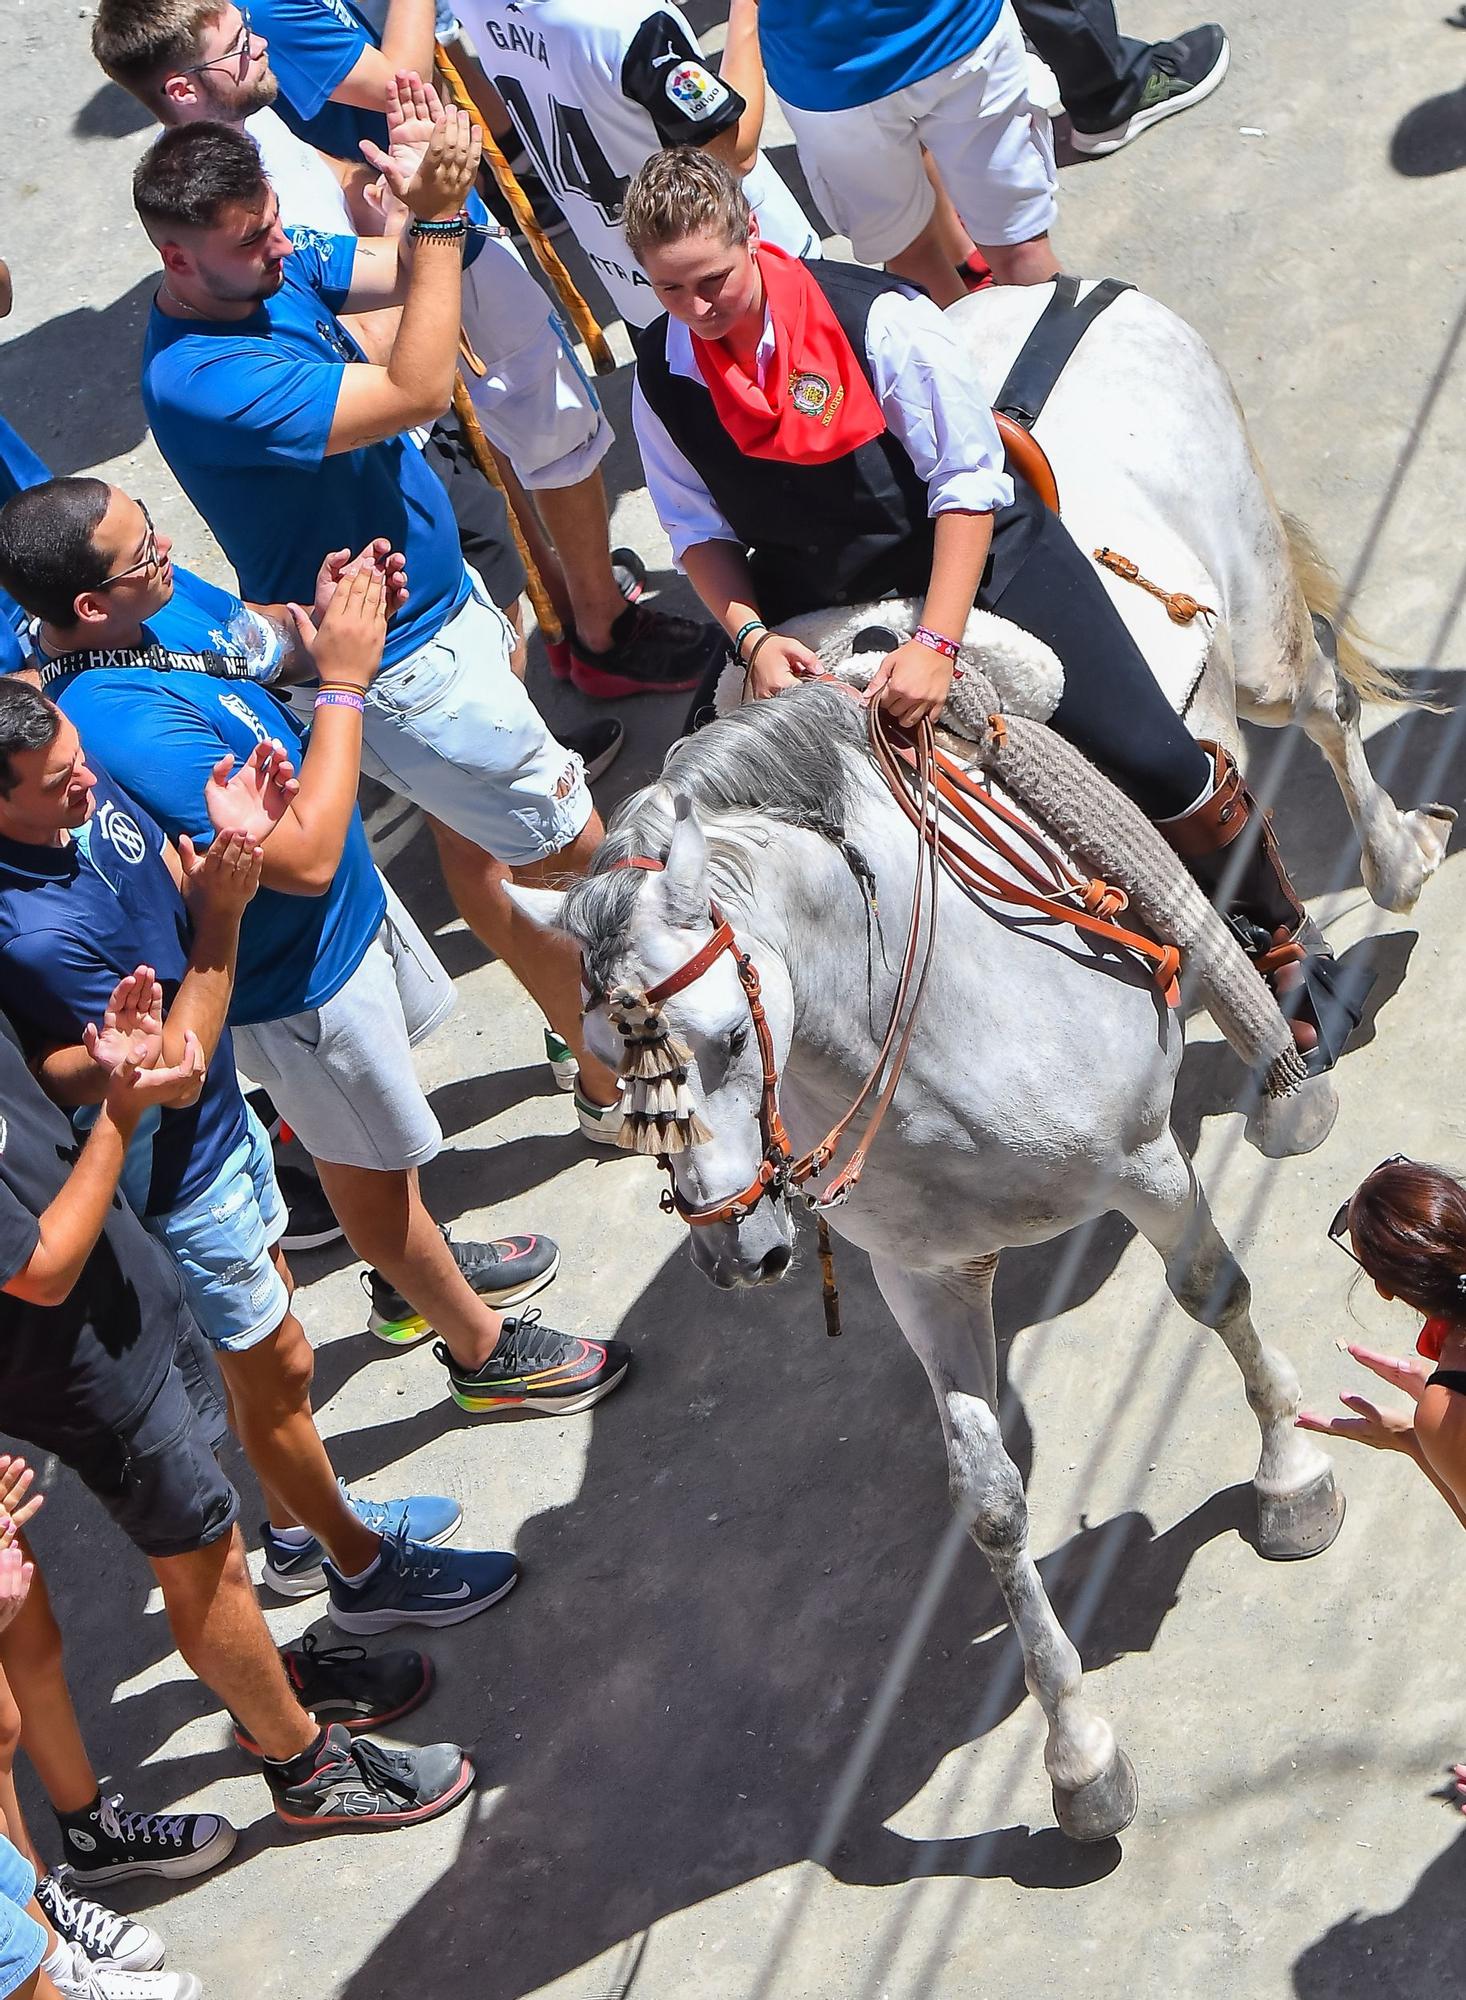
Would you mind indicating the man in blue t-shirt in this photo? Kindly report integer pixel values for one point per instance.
(866, 89)
(89, 887)
(336, 982)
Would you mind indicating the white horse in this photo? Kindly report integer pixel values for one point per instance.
(1152, 459)
(1006, 1129)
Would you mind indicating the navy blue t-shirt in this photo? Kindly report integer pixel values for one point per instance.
(161, 734)
(242, 411)
(76, 919)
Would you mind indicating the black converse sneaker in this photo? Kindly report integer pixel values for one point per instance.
(108, 1843)
(364, 1785)
(1181, 74)
(106, 1938)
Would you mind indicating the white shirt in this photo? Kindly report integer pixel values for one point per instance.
(924, 384)
(309, 194)
(595, 87)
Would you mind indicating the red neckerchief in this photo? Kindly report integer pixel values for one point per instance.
(818, 404)
(1433, 1337)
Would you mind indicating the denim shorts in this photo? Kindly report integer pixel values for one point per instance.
(452, 729)
(22, 1941)
(221, 1242)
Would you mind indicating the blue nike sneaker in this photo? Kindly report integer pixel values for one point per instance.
(429, 1518)
(414, 1585)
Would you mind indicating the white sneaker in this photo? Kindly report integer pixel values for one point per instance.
(75, 1977)
(105, 1937)
(600, 1123)
(561, 1058)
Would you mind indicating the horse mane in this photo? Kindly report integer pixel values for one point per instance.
(796, 761)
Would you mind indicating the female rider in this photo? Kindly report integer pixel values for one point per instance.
(812, 436)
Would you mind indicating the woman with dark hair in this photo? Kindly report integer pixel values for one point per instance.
(1405, 1227)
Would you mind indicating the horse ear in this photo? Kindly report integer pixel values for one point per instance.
(684, 879)
(541, 906)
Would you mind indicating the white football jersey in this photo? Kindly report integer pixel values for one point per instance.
(309, 193)
(595, 87)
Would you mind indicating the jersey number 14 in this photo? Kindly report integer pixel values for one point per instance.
(570, 161)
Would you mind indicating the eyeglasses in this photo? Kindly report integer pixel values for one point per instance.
(146, 563)
(1339, 1227)
(237, 54)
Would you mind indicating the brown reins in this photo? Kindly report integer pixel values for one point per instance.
(923, 781)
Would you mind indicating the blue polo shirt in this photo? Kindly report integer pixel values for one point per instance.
(161, 734)
(314, 47)
(242, 412)
(19, 468)
(827, 55)
(73, 921)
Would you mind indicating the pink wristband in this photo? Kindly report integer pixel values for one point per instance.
(924, 636)
(340, 698)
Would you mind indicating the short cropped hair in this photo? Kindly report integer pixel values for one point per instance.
(678, 192)
(191, 174)
(27, 722)
(47, 556)
(141, 43)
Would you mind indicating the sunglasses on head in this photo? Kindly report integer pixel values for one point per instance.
(1339, 1227)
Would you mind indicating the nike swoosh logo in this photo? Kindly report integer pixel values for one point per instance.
(449, 1596)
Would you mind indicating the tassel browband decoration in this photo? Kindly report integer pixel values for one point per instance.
(660, 1116)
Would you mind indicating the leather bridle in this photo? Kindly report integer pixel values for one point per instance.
(924, 781)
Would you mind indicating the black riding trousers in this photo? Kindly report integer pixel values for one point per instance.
(1112, 707)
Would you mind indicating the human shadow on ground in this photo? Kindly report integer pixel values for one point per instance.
(1400, 1954)
(669, 1700)
(1431, 138)
(75, 378)
(111, 113)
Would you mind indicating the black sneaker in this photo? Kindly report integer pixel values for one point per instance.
(107, 1843)
(103, 1936)
(503, 1273)
(651, 652)
(363, 1785)
(535, 1368)
(346, 1684)
(1182, 73)
(598, 744)
(311, 1223)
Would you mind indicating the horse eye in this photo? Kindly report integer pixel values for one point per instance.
(737, 1042)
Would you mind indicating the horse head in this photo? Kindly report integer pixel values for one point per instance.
(669, 1008)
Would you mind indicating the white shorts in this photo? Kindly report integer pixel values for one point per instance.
(993, 146)
(452, 729)
(535, 403)
(341, 1075)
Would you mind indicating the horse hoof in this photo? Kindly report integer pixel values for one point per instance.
(1395, 881)
(1103, 1807)
(1282, 1127)
(1291, 1526)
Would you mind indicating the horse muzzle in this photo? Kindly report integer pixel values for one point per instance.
(756, 1251)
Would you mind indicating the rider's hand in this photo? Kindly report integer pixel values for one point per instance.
(781, 662)
(910, 685)
(346, 647)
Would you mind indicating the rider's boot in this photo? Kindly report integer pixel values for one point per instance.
(1322, 1001)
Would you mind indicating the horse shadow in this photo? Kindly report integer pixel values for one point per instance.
(665, 1709)
(1400, 1954)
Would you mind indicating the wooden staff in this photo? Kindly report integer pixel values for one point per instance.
(483, 458)
(583, 319)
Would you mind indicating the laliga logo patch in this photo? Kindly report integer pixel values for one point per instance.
(124, 834)
(812, 396)
(696, 92)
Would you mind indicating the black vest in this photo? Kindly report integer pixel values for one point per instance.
(849, 531)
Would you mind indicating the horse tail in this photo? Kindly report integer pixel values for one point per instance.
(1324, 596)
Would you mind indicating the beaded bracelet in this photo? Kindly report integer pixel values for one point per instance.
(924, 636)
(341, 698)
(753, 625)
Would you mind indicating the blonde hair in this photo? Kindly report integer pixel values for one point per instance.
(678, 192)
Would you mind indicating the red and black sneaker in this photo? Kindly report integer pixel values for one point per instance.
(651, 652)
(536, 1368)
(363, 1785)
(346, 1684)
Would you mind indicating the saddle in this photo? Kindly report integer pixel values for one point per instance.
(1041, 360)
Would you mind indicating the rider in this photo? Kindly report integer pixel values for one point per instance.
(812, 435)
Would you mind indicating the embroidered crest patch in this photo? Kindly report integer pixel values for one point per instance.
(812, 396)
(696, 92)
